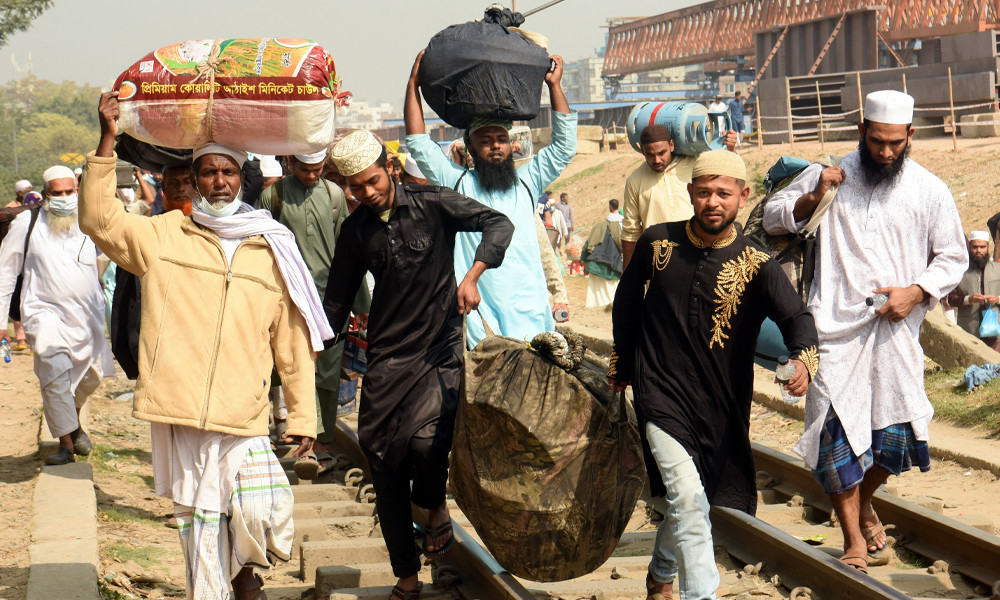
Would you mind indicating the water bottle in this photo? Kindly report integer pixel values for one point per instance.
(877, 301)
(5, 350)
(783, 374)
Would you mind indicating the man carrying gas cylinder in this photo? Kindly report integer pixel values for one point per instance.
(656, 191)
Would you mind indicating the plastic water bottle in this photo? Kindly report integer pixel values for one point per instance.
(783, 374)
(877, 301)
(5, 350)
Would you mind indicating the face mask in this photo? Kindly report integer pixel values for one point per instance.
(226, 211)
(63, 205)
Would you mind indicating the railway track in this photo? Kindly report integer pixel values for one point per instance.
(342, 554)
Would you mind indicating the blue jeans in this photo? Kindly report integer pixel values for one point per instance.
(684, 539)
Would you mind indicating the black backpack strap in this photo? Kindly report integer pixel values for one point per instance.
(460, 178)
(27, 236)
(276, 204)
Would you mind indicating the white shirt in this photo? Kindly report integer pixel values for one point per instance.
(898, 233)
(62, 306)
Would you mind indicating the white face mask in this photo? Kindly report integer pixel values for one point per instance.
(63, 205)
(226, 211)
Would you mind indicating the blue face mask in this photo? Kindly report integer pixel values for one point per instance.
(63, 205)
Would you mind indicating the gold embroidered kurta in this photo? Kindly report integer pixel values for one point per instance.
(686, 319)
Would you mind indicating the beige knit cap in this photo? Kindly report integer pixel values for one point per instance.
(356, 152)
(720, 162)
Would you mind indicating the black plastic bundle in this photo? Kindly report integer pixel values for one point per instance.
(482, 69)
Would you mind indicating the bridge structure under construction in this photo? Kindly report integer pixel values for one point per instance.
(808, 63)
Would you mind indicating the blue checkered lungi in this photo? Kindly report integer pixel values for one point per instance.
(894, 449)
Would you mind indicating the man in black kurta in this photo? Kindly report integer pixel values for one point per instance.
(405, 236)
(686, 317)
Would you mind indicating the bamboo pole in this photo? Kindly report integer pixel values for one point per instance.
(904, 83)
(819, 106)
(788, 105)
(861, 104)
(760, 132)
(951, 103)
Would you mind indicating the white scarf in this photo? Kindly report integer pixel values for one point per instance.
(301, 288)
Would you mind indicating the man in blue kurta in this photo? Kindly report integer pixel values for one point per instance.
(515, 299)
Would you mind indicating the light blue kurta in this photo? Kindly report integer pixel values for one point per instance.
(515, 299)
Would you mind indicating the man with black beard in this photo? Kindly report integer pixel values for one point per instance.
(980, 286)
(687, 311)
(889, 248)
(516, 294)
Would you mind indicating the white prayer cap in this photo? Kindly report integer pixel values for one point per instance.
(269, 166)
(212, 148)
(979, 235)
(78, 171)
(312, 159)
(356, 152)
(22, 186)
(411, 167)
(889, 107)
(57, 172)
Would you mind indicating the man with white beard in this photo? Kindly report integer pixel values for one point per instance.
(62, 308)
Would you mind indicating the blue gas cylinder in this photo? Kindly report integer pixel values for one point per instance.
(693, 128)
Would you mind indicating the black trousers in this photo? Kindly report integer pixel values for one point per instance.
(426, 466)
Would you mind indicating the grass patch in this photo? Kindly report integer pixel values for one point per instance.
(588, 172)
(119, 514)
(910, 560)
(980, 407)
(146, 557)
(102, 460)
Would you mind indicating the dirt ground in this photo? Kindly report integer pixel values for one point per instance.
(140, 553)
(592, 179)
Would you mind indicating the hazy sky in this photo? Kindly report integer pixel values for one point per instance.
(373, 42)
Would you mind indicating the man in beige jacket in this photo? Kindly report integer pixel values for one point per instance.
(235, 276)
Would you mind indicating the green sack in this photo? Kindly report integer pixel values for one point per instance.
(546, 464)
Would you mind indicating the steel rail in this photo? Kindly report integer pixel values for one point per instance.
(967, 550)
(796, 563)
(482, 576)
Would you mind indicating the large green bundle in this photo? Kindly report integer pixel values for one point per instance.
(546, 464)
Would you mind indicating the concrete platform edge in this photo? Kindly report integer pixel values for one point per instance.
(64, 559)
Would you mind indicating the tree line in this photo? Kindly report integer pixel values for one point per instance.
(43, 123)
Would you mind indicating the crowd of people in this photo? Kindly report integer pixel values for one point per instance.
(219, 284)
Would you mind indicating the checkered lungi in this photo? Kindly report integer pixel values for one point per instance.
(894, 449)
(257, 529)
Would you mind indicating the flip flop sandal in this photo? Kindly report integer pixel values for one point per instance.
(399, 593)
(870, 532)
(324, 457)
(857, 561)
(306, 466)
(435, 532)
(251, 590)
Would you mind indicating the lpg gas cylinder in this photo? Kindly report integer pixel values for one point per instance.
(693, 128)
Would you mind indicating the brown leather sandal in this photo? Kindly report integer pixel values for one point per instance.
(651, 583)
(249, 588)
(399, 593)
